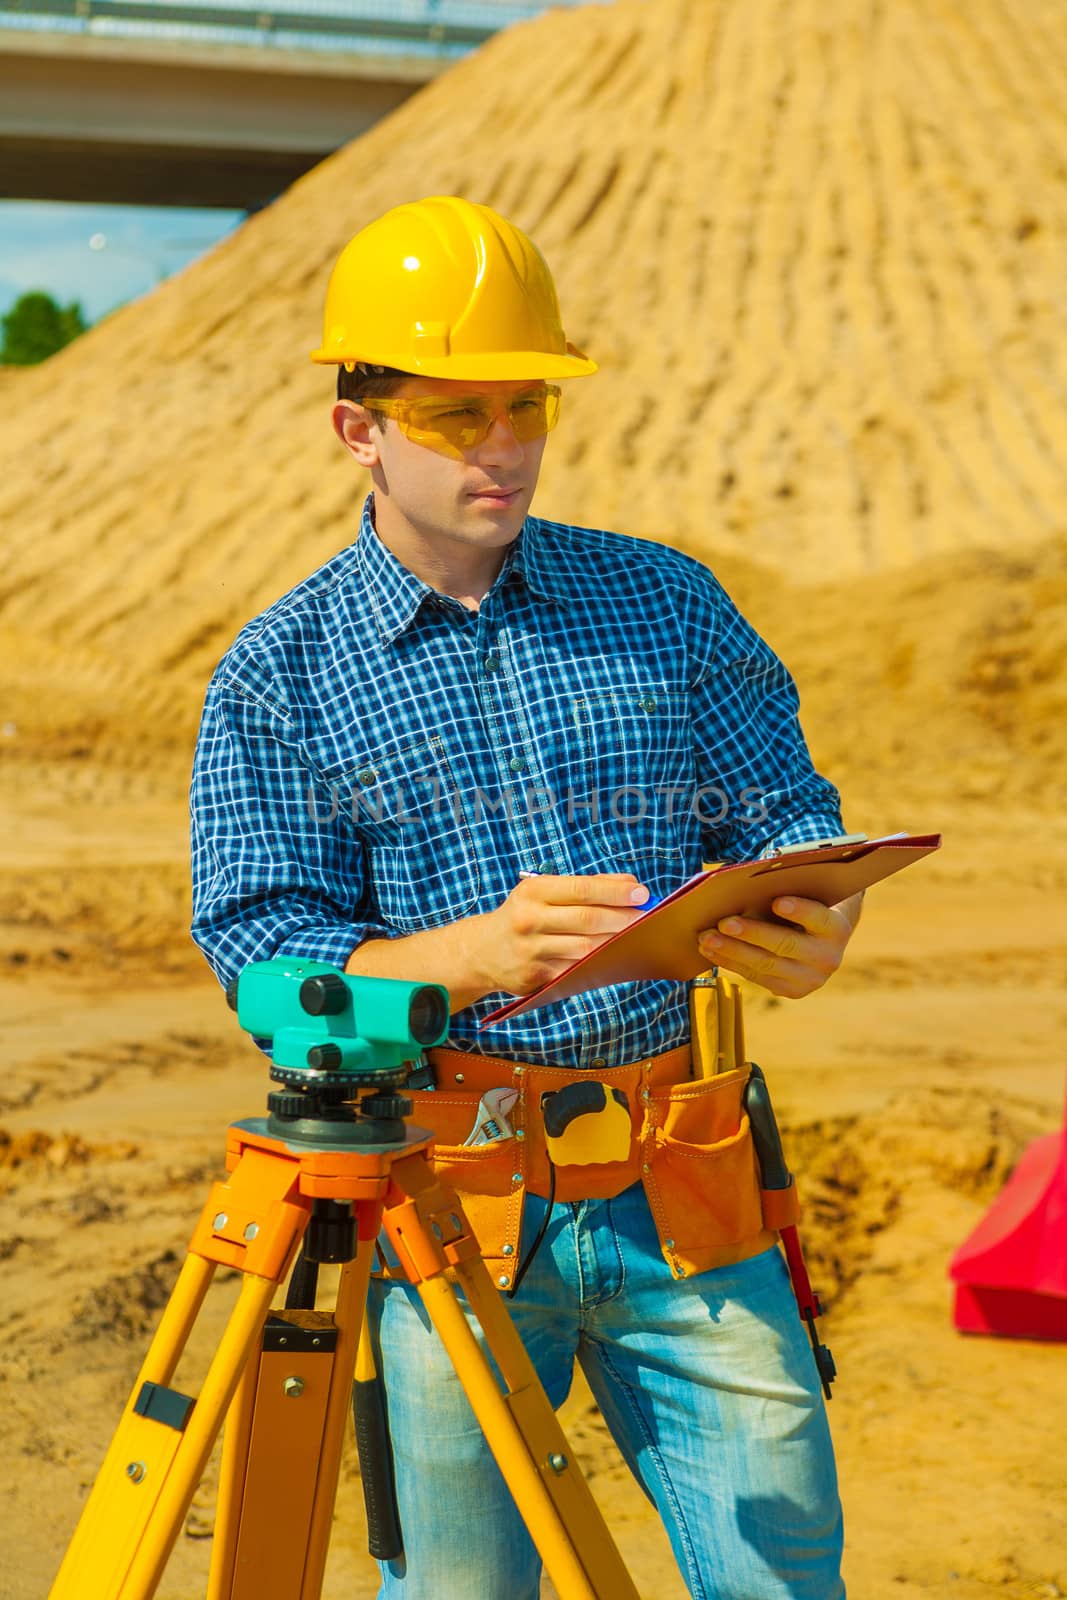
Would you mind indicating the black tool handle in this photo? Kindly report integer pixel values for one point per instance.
(384, 1540)
(774, 1174)
(303, 1283)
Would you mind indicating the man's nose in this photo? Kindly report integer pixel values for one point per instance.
(500, 442)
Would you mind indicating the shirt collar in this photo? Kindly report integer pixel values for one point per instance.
(396, 593)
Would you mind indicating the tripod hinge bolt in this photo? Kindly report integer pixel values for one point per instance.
(558, 1463)
(293, 1388)
(136, 1471)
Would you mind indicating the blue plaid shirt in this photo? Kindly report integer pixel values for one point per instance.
(375, 759)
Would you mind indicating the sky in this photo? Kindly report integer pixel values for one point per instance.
(46, 245)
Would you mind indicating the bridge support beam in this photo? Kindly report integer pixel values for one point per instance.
(164, 123)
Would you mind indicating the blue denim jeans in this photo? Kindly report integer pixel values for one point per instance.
(708, 1385)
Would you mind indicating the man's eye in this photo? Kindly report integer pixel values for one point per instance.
(460, 411)
(525, 405)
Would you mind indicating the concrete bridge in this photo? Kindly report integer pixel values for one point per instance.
(153, 103)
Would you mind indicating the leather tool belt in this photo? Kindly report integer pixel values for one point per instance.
(690, 1146)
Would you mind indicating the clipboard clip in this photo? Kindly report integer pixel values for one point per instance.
(837, 840)
(818, 844)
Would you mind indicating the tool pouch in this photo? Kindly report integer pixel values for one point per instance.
(488, 1178)
(700, 1174)
(699, 1168)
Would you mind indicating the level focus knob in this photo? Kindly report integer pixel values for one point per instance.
(324, 996)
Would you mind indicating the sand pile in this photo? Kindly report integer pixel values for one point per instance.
(820, 262)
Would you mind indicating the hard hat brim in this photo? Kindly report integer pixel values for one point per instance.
(499, 366)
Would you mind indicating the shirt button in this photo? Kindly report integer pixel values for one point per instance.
(546, 866)
(491, 663)
(648, 703)
(517, 764)
(598, 1061)
(367, 776)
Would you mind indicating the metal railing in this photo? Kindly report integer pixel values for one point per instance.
(451, 27)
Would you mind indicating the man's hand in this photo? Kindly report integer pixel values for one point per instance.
(793, 961)
(544, 924)
(548, 921)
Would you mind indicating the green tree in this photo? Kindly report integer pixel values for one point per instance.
(36, 327)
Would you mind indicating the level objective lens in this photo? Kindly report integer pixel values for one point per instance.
(427, 1015)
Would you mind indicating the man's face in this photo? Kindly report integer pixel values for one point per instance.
(441, 496)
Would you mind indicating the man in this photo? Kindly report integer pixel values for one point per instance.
(467, 750)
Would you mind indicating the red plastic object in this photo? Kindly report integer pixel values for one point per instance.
(1011, 1273)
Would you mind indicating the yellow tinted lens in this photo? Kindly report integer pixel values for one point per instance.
(532, 415)
(451, 426)
(463, 422)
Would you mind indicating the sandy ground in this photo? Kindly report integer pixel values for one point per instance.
(908, 1088)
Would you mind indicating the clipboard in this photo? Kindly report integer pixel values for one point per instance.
(663, 942)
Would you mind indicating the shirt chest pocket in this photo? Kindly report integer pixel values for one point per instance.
(634, 763)
(404, 804)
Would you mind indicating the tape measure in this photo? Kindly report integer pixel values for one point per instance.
(586, 1123)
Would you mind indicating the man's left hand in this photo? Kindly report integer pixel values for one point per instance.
(789, 961)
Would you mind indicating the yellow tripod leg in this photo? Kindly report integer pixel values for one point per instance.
(282, 1451)
(351, 1309)
(429, 1232)
(103, 1543)
(236, 1442)
(529, 1446)
(190, 1459)
(158, 1455)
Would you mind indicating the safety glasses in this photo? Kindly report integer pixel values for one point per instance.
(452, 424)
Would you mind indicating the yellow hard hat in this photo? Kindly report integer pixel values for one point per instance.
(446, 289)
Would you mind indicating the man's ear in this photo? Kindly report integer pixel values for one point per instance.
(352, 425)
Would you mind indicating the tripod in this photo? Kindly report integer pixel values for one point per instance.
(286, 1383)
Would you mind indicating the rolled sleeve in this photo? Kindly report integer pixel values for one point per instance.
(275, 870)
(751, 755)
